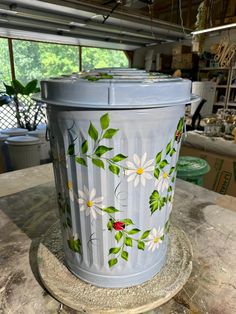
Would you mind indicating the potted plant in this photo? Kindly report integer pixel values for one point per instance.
(26, 111)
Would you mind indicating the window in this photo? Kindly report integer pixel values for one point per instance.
(99, 58)
(34, 60)
(5, 72)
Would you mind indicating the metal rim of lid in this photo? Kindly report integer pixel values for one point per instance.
(125, 89)
(190, 166)
(22, 140)
(14, 131)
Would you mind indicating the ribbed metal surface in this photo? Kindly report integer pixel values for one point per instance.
(142, 133)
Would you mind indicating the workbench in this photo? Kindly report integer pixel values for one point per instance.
(28, 209)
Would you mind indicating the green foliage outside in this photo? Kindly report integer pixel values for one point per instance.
(36, 60)
(99, 58)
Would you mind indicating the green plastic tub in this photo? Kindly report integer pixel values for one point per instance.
(192, 169)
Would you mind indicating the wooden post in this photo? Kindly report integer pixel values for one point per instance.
(80, 58)
(11, 56)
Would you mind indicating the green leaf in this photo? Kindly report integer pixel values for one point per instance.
(145, 234)
(118, 236)
(114, 250)
(101, 150)
(128, 241)
(125, 255)
(99, 163)
(172, 152)
(92, 78)
(171, 170)
(9, 90)
(74, 245)
(180, 124)
(169, 189)
(168, 148)
(163, 163)
(110, 210)
(31, 87)
(154, 201)
(156, 173)
(118, 158)
(162, 237)
(158, 157)
(112, 262)
(71, 149)
(127, 221)
(84, 147)
(109, 225)
(80, 161)
(19, 88)
(114, 169)
(92, 131)
(104, 121)
(134, 231)
(141, 245)
(173, 179)
(110, 133)
(163, 201)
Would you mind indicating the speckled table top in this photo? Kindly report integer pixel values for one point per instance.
(27, 210)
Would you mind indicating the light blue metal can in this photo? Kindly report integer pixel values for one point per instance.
(115, 137)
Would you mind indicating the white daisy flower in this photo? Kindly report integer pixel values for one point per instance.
(89, 203)
(154, 239)
(163, 182)
(139, 170)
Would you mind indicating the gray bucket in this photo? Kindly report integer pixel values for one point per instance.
(115, 144)
(23, 151)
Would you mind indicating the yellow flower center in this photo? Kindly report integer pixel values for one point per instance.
(140, 171)
(165, 175)
(89, 203)
(69, 184)
(156, 239)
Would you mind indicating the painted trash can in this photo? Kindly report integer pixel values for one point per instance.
(192, 169)
(115, 137)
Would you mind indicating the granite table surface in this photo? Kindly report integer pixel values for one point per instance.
(28, 209)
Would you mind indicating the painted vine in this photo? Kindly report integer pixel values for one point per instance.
(126, 234)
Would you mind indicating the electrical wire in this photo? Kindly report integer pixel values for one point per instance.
(181, 18)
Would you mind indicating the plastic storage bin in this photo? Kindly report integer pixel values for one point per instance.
(23, 151)
(115, 139)
(44, 145)
(14, 132)
(192, 169)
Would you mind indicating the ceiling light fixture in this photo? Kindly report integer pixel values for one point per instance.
(10, 12)
(77, 24)
(212, 29)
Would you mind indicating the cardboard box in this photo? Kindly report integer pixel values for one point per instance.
(179, 49)
(222, 176)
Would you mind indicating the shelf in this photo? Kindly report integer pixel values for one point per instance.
(217, 69)
(220, 103)
(221, 86)
(233, 86)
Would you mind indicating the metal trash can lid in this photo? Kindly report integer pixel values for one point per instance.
(3, 137)
(23, 140)
(14, 131)
(115, 88)
(38, 133)
(189, 166)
